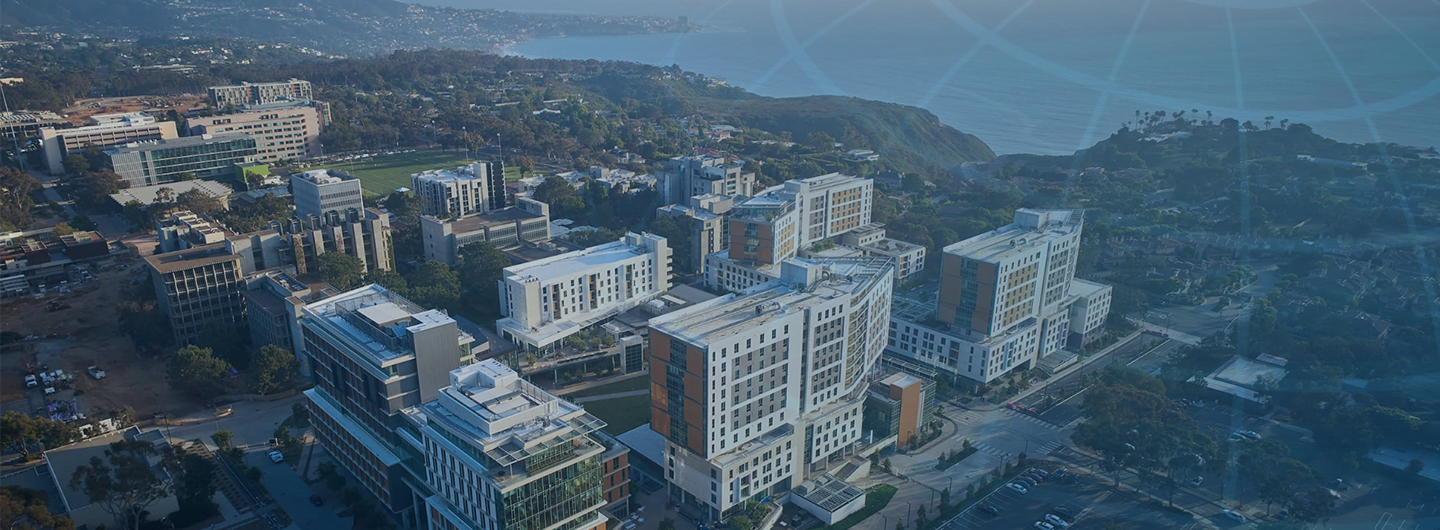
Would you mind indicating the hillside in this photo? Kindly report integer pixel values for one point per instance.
(910, 138)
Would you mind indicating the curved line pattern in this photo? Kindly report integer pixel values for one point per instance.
(1401, 33)
(1419, 94)
(806, 45)
(787, 36)
(965, 59)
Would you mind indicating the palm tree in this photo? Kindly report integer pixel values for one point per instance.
(1268, 119)
(1285, 123)
(1209, 117)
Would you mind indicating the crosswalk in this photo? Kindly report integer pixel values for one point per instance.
(1033, 419)
(1042, 449)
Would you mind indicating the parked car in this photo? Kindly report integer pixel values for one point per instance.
(1197, 481)
(31, 382)
(1036, 476)
(990, 509)
(277, 457)
(1064, 512)
(1017, 488)
(1029, 482)
(1039, 471)
(1237, 437)
(1283, 515)
(1042, 525)
(1056, 520)
(1249, 434)
(1234, 515)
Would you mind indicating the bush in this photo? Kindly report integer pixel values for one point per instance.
(875, 500)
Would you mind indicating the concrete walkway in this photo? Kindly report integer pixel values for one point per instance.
(603, 397)
(598, 382)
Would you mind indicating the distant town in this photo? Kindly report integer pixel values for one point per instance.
(451, 290)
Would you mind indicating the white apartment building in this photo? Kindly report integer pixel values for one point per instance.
(319, 191)
(473, 188)
(709, 224)
(756, 392)
(1088, 312)
(547, 300)
(500, 453)
(105, 130)
(683, 177)
(1006, 300)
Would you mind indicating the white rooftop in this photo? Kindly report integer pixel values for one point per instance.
(323, 176)
(1031, 229)
(571, 263)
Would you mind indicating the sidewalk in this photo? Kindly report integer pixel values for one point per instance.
(598, 382)
(603, 397)
(985, 406)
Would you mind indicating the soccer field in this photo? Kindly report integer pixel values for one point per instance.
(380, 175)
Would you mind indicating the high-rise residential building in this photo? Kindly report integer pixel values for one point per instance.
(500, 453)
(288, 130)
(259, 93)
(105, 130)
(472, 188)
(1006, 300)
(1088, 312)
(547, 300)
(756, 392)
(683, 177)
(709, 228)
(196, 286)
(159, 161)
(373, 354)
(781, 221)
(320, 191)
(528, 222)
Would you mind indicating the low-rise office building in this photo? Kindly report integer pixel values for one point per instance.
(363, 234)
(273, 300)
(683, 177)
(526, 222)
(319, 191)
(169, 191)
(545, 301)
(155, 162)
(23, 124)
(287, 130)
(105, 130)
(197, 286)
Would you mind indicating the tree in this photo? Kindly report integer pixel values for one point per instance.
(19, 431)
(198, 371)
(552, 189)
(144, 323)
(16, 187)
(123, 483)
(228, 341)
(434, 285)
(63, 229)
(25, 509)
(76, 164)
(388, 279)
(195, 481)
(340, 269)
(820, 141)
(200, 202)
(667, 524)
(222, 439)
(1415, 466)
(481, 267)
(526, 165)
(273, 369)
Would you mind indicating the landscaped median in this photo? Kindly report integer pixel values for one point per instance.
(875, 500)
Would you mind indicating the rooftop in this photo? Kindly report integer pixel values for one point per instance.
(1031, 229)
(571, 263)
(191, 258)
(376, 322)
(473, 223)
(186, 141)
(146, 194)
(828, 492)
(893, 246)
(731, 314)
(462, 173)
(1079, 287)
(323, 176)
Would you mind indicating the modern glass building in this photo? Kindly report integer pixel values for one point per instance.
(150, 163)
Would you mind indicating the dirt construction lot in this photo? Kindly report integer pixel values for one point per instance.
(85, 334)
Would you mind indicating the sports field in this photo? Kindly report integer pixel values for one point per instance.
(380, 175)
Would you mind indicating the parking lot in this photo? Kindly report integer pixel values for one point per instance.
(1093, 504)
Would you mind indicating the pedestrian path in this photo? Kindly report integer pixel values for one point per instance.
(1033, 419)
(603, 397)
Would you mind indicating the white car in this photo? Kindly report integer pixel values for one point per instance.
(30, 381)
(1234, 515)
(1017, 488)
(49, 390)
(277, 457)
(1056, 520)
(1042, 525)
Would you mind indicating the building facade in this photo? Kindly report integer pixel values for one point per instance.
(23, 124)
(547, 300)
(709, 228)
(1005, 300)
(528, 221)
(756, 392)
(473, 188)
(149, 163)
(687, 176)
(282, 131)
(273, 300)
(374, 354)
(500, 453)
(196, 286)
(319, 191)
(105, 130)
(259, 93)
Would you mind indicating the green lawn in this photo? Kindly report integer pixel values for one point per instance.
(621, 414)
(634, 383)
(381, 175)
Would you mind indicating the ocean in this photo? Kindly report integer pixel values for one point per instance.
(1053, 76)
